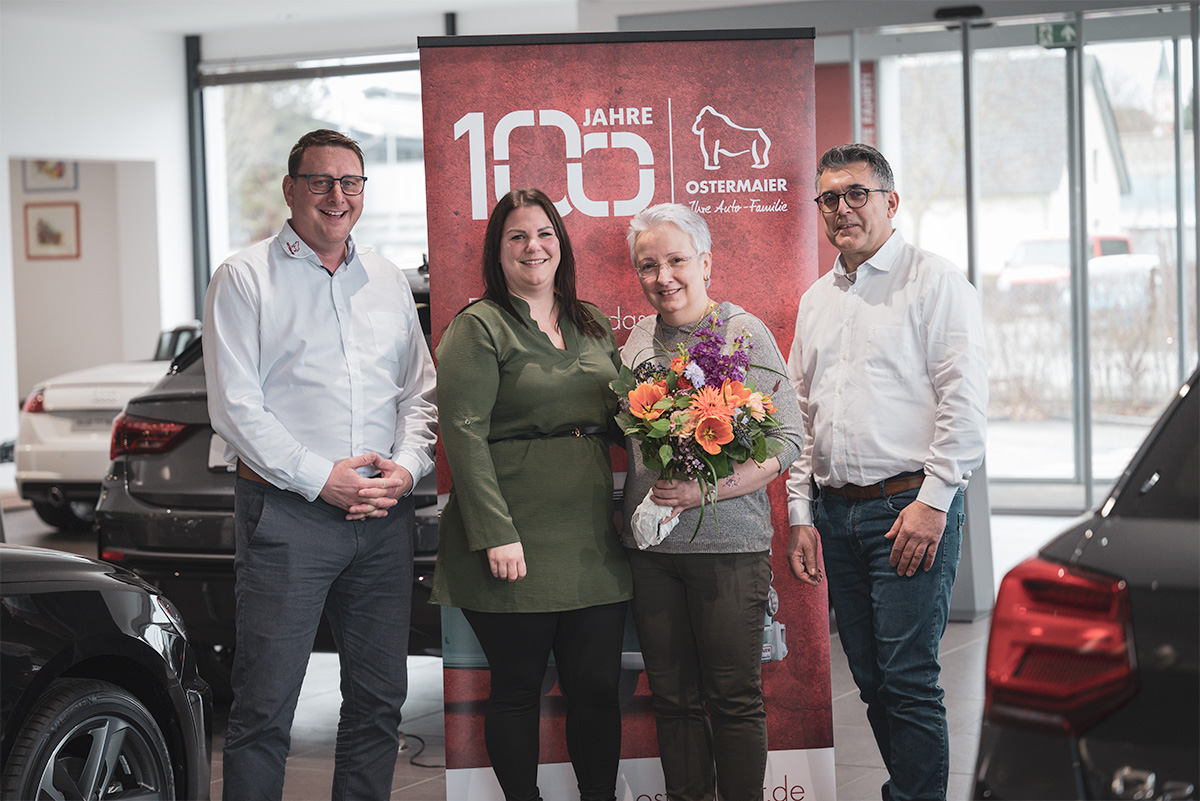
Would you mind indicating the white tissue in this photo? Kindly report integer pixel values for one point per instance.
(648, 528)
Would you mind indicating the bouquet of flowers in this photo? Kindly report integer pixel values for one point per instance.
(694, 419)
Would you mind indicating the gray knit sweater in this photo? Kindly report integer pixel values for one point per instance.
(743, 524)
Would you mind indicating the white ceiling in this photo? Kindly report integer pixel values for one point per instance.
(206, 16)
(211, 16)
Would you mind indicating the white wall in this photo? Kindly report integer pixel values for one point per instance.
(61, 303)
(95, 92)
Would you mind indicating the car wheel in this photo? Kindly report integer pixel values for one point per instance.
(72, 516)
(88, 739)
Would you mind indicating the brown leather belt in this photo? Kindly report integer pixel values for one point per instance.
(891, 486)
(245, 472)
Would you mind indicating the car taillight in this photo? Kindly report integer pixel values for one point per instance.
(1060, 655)
(35, 402)
(137, 435)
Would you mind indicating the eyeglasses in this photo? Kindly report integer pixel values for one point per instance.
(856, 198)
(320, 184)
(649, 269)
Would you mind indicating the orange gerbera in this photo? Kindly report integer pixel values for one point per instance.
(710, 402)
(642, 399)
(735, 393)
(712, 433)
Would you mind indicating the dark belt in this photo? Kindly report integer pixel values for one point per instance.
(577, 431)
(891, 486)
(245, 472)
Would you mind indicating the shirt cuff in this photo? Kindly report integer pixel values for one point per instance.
(311, 477)
(936, 494)
(413, 466)
(799, 513)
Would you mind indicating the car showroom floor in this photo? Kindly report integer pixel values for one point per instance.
(420, 775)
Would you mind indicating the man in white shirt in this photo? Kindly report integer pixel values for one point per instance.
(320, 380)
(889, 365)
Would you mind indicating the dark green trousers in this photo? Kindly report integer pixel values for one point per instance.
(700, 620)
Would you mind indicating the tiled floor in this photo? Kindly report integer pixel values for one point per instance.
(420, 775)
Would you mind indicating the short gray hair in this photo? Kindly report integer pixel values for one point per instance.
(675, 214)
(843, 156)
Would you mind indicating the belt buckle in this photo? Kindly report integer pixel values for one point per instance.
(575, 432)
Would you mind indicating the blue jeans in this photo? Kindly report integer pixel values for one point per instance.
(293, 559)
(891, 627)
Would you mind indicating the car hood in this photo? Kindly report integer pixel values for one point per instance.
(24, 569)
(108, 386)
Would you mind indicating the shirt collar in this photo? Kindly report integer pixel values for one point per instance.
(883, 260)
(295, 247)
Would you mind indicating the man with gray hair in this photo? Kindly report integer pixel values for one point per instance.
(889, 365)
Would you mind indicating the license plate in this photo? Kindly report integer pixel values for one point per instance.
(92, 422)
(216, 455)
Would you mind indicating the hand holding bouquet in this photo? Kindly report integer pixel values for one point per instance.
(694, 419)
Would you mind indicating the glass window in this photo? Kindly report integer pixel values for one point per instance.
(1023, 232)
(1133, 276)
(250, 129)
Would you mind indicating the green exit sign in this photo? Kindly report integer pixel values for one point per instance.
(1057, 34)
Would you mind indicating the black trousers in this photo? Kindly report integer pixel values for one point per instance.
(587, 652)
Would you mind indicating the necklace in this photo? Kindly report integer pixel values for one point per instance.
(707, 310)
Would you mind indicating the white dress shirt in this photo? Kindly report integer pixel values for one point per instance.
(891, 373)
(305, 368)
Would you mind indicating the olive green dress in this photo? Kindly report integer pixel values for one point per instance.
(497, 380)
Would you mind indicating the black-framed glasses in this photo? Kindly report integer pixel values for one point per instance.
(321, 184)
(856, 198)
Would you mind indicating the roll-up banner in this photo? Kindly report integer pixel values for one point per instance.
(608, 124)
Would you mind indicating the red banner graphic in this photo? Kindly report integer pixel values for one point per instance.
(607, 125)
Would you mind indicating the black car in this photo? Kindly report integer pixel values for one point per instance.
(1092, 683)
(166, 513)
(101, 697)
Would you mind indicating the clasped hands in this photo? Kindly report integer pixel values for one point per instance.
(362, 497)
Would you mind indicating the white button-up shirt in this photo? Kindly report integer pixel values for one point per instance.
(891, 373)
(305, 368)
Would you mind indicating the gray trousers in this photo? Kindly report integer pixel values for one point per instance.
(295, 558)
(700, 623)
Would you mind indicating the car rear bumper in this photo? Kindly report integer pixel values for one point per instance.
(56, 492)
(53, 449)
(1016, 763)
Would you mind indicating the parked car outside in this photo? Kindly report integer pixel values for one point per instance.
(1092, 680)
(65, 428)
(166, 512)
(101, 697)
(1038, 274)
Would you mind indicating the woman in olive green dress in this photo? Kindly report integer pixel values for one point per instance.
(527, 547)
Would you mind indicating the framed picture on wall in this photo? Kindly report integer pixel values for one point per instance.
(51, 231)
(44, 175)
